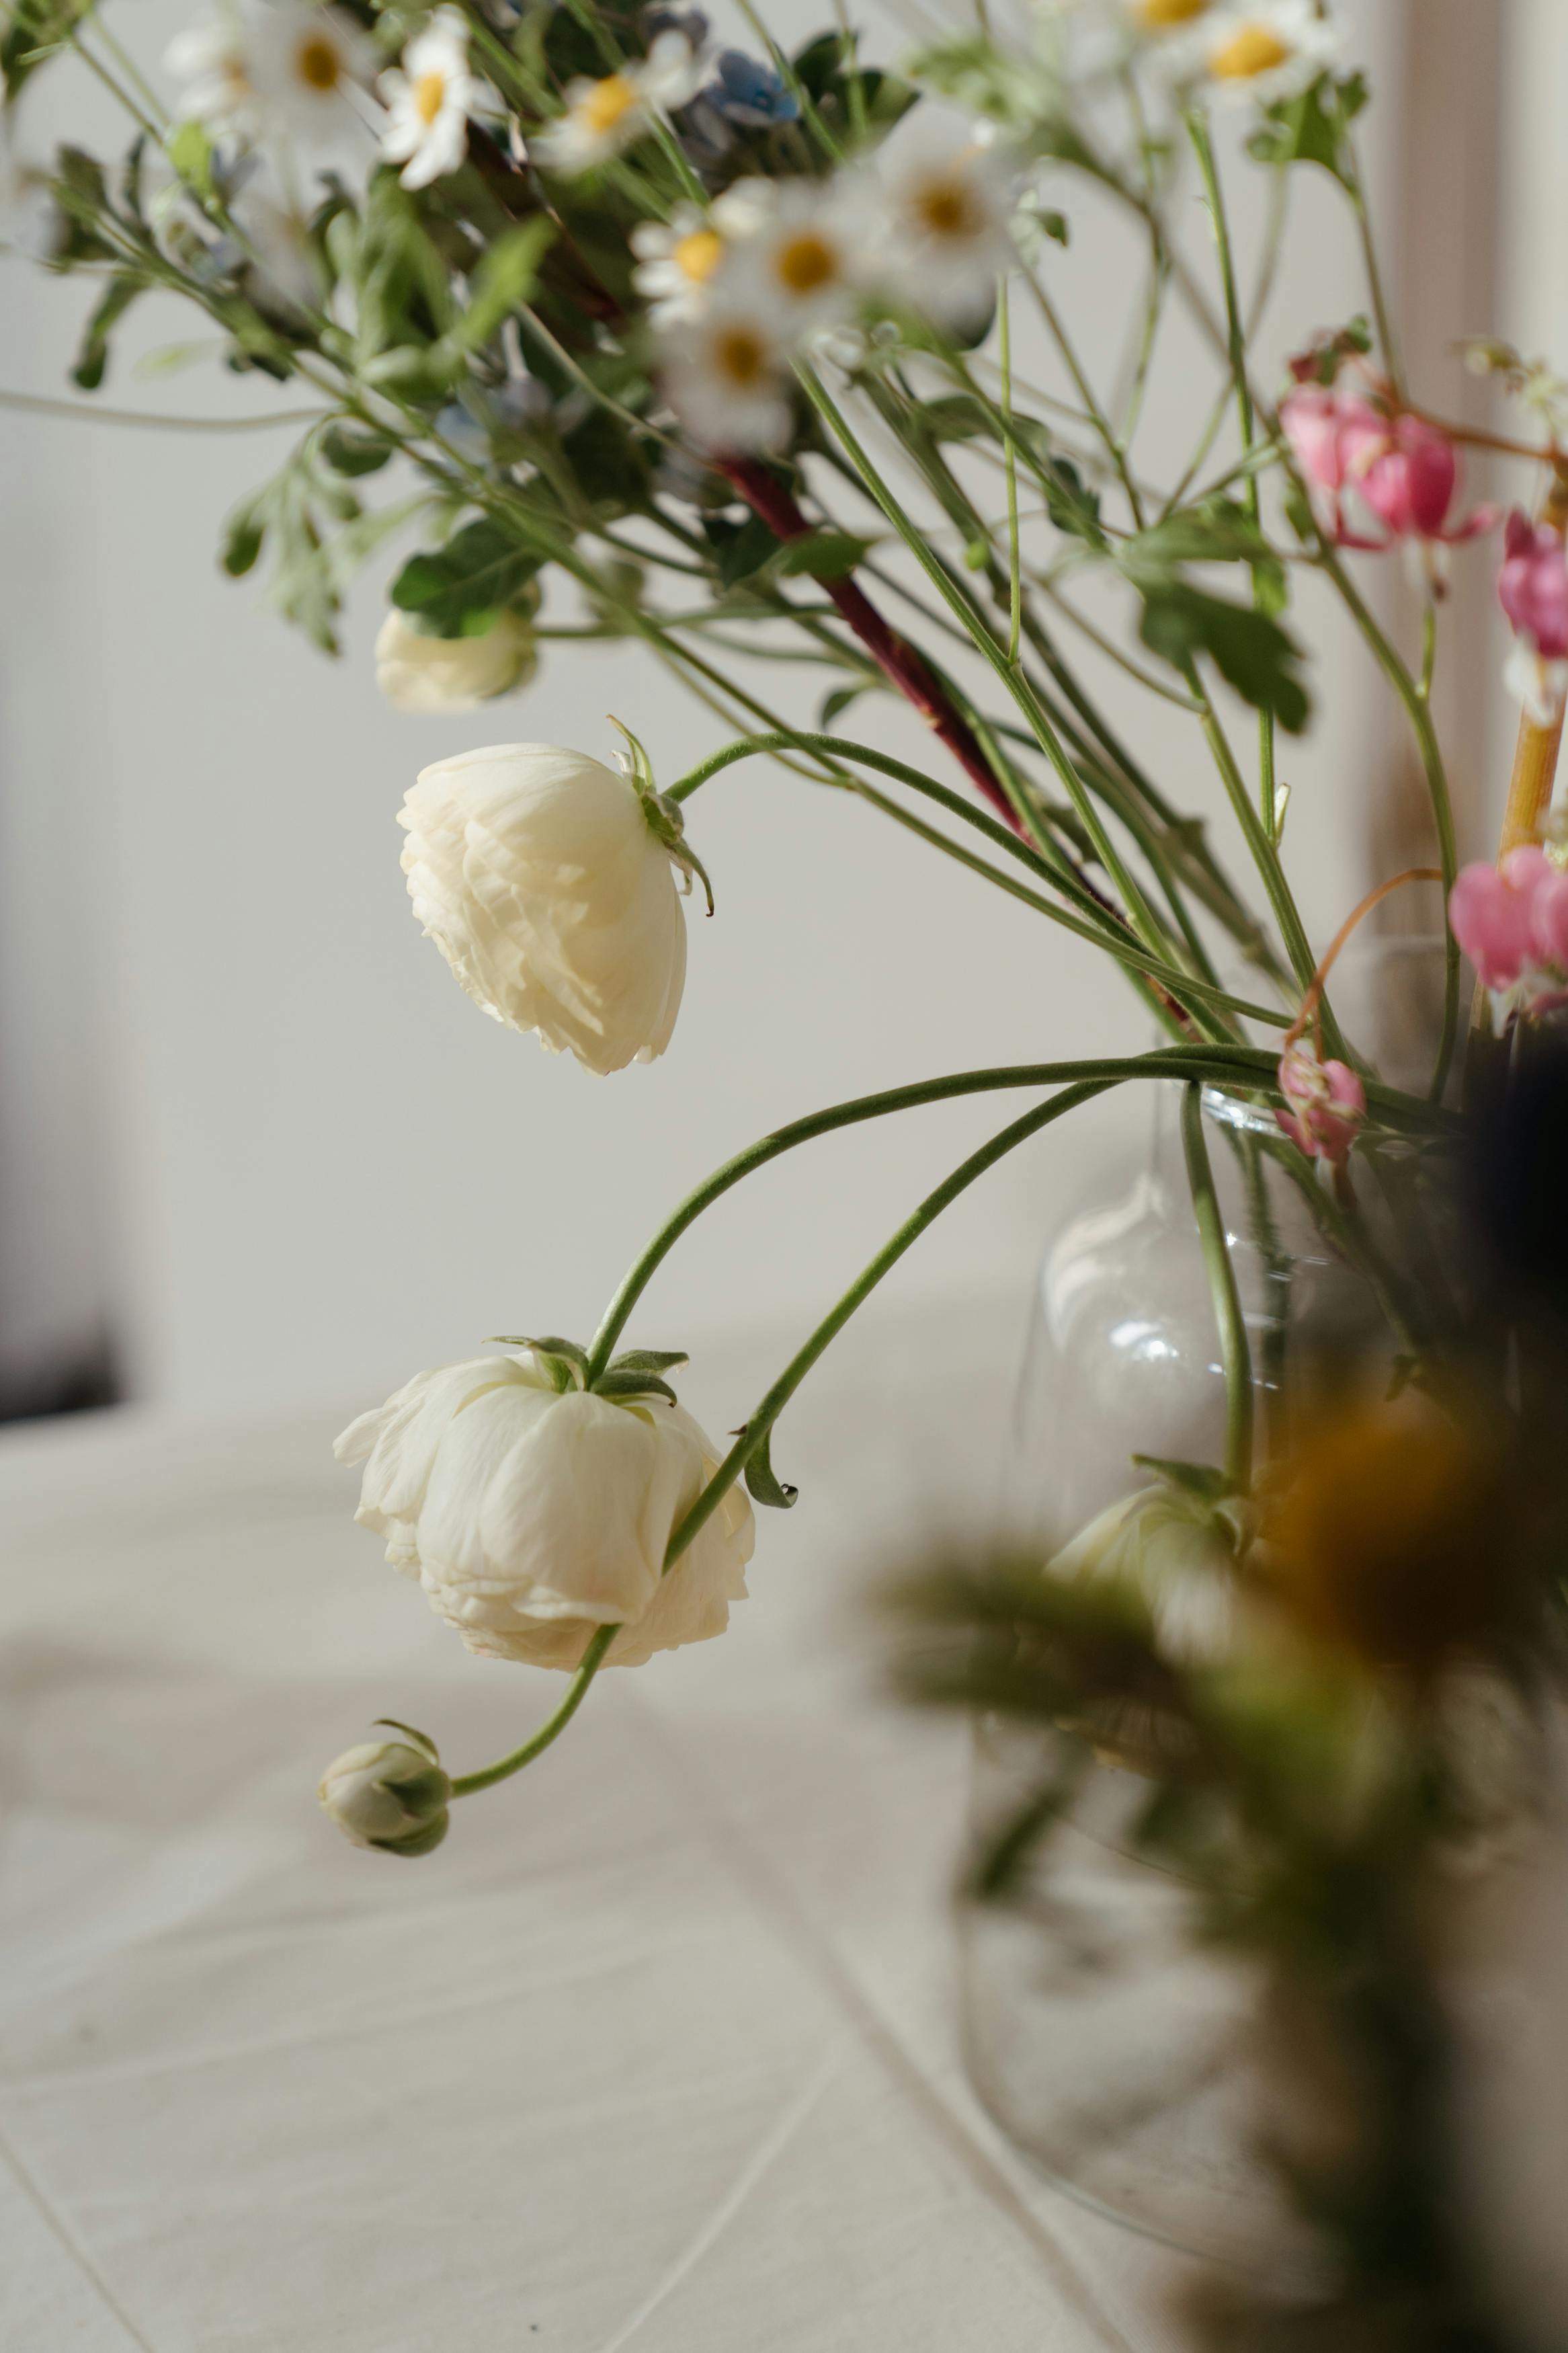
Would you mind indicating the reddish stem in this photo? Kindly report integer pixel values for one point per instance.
(899, 662)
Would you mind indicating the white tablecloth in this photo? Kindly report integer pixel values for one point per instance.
(659, 2049)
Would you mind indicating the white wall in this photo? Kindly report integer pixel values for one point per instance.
(322, 1166)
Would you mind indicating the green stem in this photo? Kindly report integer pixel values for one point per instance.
(504, 1767)
(1234, 1353)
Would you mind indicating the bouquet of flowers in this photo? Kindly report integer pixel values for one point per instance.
(712, 350)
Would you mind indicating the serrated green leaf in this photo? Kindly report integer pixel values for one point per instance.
(823, 555)
(504, 280)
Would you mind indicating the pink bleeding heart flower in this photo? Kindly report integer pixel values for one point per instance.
(1325, 429)
(1408, 473)
(1327, 1105)
(1533, 589)
(1511, 922)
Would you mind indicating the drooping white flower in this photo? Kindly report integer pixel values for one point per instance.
(1255, 51)
(390, 1794)
(943, 228)
(429, 99)
(534, 1516)
(212, 58)
(726, 377)
(604, 116)
(539, 876)
(312, 68)
(416, 672)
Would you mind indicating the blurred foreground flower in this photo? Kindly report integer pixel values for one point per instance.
(546, 882)
(1533, 589)
(1512, 924)
(390, 1794)
(533, 1514)
(604, 116)
(416, 671)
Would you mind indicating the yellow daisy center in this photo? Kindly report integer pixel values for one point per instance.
(1159, 16)
(697, 255)
(948, 208)
(429, 96)
(603, 107)
(805, 264)
(321, 67)
(740, 356)
(1254, 50)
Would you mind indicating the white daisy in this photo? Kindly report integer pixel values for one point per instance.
(793, 248)
(310, 66)
(212, 58)
(428, 101)
(1266, 52)
(602, 117)
(676, 260)
(943, 235)
(725, 376)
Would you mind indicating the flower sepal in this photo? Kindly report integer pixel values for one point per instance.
(663, 816)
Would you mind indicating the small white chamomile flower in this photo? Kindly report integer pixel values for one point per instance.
(725, 376)
(676, 260)
(1259, 51)
(312, 68)
(604, 116)
(944, 230)
(212, 58)
(429, 101)
(793, 250)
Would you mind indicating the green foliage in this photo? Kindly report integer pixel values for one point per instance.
(820, 69)
(318, 532)
(504, 280)
(823, 555)
(92, 355)
(31, 33)
(741, 548)
(1251, 652)
(455, 591)
(1313, 127)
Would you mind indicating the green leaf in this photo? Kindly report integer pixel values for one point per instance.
(92, 358)
(455, 590)
(245, 535)
(1218, 531)
(1311, 127)
(420, 1740)
(1252, 653)
(349, 450)
(741, 548)
(840, 700)
(632, 1384)
(190, 152)
(648, 1360)
(763, 1486)
(611, 470)
(1073, 507)
(1198, 1479)
(823, 555)
(504, 280)
(953, 416)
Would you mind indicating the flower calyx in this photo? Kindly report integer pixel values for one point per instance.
(664, 820)
(635, 1373)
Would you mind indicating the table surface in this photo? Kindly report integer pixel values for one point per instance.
(659, 2049)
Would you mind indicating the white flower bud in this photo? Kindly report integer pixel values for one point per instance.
(387, 1794)
(531, 1515)
(416, 672)
(539, 876)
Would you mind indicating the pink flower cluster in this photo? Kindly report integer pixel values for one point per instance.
(1512, 924)
(1532, 588)
(1327, 1106)
(1405, 473)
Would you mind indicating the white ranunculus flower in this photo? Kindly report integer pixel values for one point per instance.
(388, 1794)
(416, 672)
(539, 876)
(534, 1516)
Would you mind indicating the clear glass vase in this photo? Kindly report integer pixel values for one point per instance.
(1117, 2053)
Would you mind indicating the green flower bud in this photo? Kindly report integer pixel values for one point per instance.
(390, 1794)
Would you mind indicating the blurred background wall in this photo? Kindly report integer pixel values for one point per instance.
(255, 1145)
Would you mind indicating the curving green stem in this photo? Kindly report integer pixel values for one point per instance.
(1092, 925)
(1234, 1354)
(576, 1691)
